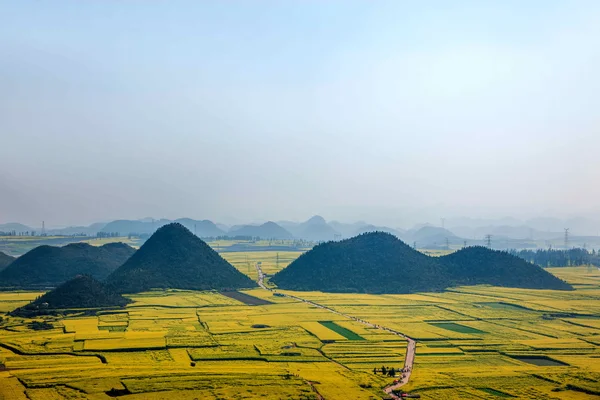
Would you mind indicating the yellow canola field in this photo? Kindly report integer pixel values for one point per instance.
(473, 342)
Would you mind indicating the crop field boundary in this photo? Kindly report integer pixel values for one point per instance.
(410, 349)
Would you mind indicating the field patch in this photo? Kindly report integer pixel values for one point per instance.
(540, 361)
(347, 333)
(495, 392)
(246, 298)
(454, 327)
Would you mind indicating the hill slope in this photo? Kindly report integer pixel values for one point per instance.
(50, 266)
(380, 263)
(315, 229)
(80, 292)
(204, 228)
(268, 230)
(175, 258)
(5, 260)
(15, 226)
(375, 262)
(480, 265)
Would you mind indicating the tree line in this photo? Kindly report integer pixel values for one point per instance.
(559, 258)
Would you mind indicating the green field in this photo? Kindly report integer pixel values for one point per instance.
(347, 333)
(473, 342)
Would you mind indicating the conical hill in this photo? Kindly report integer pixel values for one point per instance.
(83, 291)
(375, 262)
(173, 257)
(480, 265)
(381, 263)
(49, 266)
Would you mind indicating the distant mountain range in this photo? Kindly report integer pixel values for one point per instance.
(268, 230)
(506, 232)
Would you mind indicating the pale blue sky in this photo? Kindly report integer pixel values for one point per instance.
(390, 111)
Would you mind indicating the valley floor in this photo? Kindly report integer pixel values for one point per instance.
(472, 343)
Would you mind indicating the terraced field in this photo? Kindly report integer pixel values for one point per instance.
(473, 342)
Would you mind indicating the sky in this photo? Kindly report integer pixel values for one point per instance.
(394, 112)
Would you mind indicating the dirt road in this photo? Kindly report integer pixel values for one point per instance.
(410, 348)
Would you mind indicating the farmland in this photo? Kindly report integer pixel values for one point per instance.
(472, 342)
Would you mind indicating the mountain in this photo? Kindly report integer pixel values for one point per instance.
(80, 292)
(288, 225)
(204, 228)
(5, 260)
(369, 263)
(315, 229)
(480, 265)
(46, 266)
(268, 230)
(14, 226)
(91, 230)
(428, 236)
(125, 226)
(380, 263)
(173, 257)
(522, 232)
(347, 229)
(373, 228)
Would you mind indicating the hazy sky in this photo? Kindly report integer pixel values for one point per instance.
(390, 111)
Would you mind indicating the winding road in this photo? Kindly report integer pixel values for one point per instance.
(409, 358)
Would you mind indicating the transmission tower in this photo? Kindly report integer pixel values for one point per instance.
(488, 241)
(464, 244)
(447, 244)
(566, 238)
(43, 228)
(277, 262)
(415, 245)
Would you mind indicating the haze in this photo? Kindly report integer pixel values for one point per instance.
(393, 112)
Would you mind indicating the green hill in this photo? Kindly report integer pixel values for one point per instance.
(80, 292)
(374, 262)
(175, 258)
(378, 262)
(49, 266)
(480, 265)
(5, 260)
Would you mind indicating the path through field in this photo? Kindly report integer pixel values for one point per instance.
(410, 348)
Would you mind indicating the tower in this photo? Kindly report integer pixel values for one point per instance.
(488, 241)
